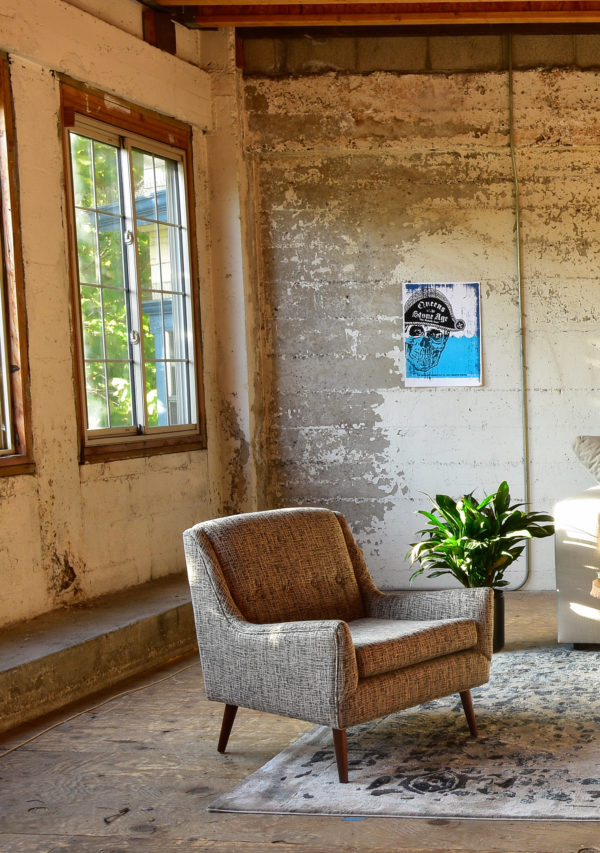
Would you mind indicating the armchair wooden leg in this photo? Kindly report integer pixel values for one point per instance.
(467, 703)
(228, 718)
(340, 744)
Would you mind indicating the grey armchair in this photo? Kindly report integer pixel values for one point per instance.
(289, 621)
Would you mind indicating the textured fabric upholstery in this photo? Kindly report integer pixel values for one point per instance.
(286, 565)
(289, 621)
(475, 604)
(404, 688)
(384, 645)
(298, 669)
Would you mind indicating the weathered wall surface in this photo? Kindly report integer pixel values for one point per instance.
(72, 532)
(363, 181)
(379, 161)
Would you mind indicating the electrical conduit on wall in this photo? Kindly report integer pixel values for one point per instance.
(521, 301)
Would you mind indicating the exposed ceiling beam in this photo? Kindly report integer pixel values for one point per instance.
(337, 13)
(199, 4)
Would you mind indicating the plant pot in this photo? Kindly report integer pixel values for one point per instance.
(498, 620)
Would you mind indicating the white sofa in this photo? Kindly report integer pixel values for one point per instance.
(577, 522)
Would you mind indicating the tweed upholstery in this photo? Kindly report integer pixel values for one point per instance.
(393, 691)
(475, 604)
(385, 645)
(276, 596)
(299, 669)
(286, 565)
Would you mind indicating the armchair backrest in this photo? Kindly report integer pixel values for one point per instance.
(286, 565)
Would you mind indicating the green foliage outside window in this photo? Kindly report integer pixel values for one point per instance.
(101, 274)
(103, 244)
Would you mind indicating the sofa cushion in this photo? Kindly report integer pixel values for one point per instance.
(383, 645)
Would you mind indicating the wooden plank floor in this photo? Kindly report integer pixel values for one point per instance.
(136, 774)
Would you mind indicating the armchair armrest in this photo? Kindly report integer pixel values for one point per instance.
(300, 669)
(476, 604)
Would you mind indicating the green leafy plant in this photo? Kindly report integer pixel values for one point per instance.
(476, 542)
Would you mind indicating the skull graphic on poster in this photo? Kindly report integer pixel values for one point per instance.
(428, 322)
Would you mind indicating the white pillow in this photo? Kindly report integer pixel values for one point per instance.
(587, 450)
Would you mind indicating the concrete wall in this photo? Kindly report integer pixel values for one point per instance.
(363, 163)
(363, 179)
(72, 532)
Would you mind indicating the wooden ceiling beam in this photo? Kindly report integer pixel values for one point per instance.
(378, 13)
(373, 13)
(212, 20)
(208, 4)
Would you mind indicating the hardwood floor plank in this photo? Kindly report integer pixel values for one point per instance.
(136, 773)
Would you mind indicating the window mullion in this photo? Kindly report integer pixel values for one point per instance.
(133, 290)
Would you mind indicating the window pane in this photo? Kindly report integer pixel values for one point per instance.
(154, 254)
(148, 258)
(110, 244)
(167, 362)
(87, 252)
(83, 182)
(154, 348)
(168, 238)
(159, 258)
(91, 317)
(115, 325)
(119, 394)
(106, 174)
(97, 398)
(160, 177)
(175, 212)
(6, 440)
(155, 407)
(143, 185)
(156, 181)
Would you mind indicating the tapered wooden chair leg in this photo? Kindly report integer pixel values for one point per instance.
(228, 718)
(467, 703)
(340, 744)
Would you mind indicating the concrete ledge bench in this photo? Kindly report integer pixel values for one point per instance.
(68, 654)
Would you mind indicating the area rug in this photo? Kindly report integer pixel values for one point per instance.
(537, 756)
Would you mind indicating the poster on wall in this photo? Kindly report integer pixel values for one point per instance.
(442, 334)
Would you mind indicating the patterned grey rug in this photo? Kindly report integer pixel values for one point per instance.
(537, 755)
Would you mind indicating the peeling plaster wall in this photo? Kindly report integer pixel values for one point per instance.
(364, 181)
(72, 532)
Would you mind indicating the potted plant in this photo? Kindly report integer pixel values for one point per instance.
(476, 542)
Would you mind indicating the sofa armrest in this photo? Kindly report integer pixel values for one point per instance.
(476, 604)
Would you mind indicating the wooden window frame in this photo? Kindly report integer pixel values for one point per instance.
(20, 461)
(130, 119)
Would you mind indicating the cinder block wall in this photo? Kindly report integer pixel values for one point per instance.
(380, 160)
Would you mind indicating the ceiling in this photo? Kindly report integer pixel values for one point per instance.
(377, 13)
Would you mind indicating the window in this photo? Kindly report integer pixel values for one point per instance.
(6, 430)
(132, 262)
(15, 439)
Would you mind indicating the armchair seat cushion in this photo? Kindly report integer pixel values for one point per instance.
(384, 645)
